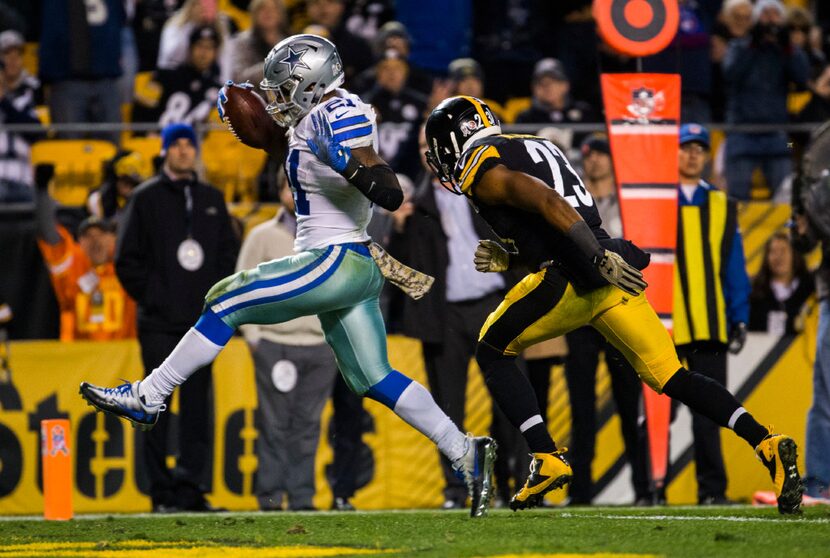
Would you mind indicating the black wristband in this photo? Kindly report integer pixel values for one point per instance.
(581, 235)
(352, 167)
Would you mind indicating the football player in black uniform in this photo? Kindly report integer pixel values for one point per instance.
(529, 193)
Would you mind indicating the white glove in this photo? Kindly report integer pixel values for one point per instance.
(490, 256)
(620, 273)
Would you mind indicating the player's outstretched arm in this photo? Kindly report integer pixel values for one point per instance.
(502, 186)
(362, 167)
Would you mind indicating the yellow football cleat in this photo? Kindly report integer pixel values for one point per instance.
(779, 453)
(548, 471)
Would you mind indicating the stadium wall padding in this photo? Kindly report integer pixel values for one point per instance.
(401, 466)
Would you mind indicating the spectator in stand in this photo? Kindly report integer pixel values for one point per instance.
(17, 80)
(551, 99)
(295, 372)
(150, 17)
(758, 70)
(503, 43)
(247, 49)
(581, 363)
(93, 304)
(801, 26)
(365, 18)
(187, 93)
(817, 108)
(466, 77)
(122, 174)
(175, 242)
(813, 228)
(400, 111)
(697, 18)
(174, 45)
(734, 22)
(80, 62)
(18, 94)
(394, 36)
(354, 50)
(736, 15)
(781, 289)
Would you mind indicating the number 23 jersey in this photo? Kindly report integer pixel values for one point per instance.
(538, 242)
(330, 210)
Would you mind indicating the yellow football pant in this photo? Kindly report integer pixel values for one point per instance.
(545, 305)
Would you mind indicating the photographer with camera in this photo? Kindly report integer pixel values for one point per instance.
(758, 70)
(812, 226)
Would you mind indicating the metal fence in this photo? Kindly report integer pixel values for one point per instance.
(109, 127)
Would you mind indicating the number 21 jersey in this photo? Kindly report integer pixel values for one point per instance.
(330, 210)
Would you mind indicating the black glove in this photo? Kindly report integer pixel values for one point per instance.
(737, 338)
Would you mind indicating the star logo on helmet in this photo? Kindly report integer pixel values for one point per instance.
(295, 60)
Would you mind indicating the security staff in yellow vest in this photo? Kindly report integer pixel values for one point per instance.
(711, 294)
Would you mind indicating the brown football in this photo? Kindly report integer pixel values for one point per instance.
(246, 117)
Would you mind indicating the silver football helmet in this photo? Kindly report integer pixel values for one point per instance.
(298, 72)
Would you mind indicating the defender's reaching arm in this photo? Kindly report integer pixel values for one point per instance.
(502, 186)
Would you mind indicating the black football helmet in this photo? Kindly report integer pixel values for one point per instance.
(450, 129)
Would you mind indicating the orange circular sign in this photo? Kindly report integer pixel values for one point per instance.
(637, 27)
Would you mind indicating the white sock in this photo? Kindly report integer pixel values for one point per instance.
(193, 352)
(417, 407)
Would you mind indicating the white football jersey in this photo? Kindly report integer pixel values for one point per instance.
(329, 209)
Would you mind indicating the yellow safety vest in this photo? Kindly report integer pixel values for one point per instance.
(704, 239)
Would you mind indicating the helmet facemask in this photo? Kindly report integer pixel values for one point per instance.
(443, 165)
(282, 106)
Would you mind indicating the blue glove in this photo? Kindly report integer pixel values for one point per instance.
(325, 147)
(223, 97)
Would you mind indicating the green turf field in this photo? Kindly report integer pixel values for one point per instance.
(710, 532)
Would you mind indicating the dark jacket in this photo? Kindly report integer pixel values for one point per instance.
(762, 302)
(423, 245)
(169, 297)
(758, 77)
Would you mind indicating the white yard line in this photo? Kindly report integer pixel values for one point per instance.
(793, 520)
(587, 513)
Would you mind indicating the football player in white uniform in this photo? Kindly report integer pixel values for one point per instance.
(335, 174)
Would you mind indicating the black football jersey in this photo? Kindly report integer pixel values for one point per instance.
(538, 242)
(180, 95)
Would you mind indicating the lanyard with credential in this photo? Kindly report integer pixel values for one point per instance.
(190, 253)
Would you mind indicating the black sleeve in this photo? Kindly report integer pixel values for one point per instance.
(131, 265)
(378, 183)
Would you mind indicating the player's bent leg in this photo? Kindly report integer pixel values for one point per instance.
(634, 328)
(543, 305)
(358, 337)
